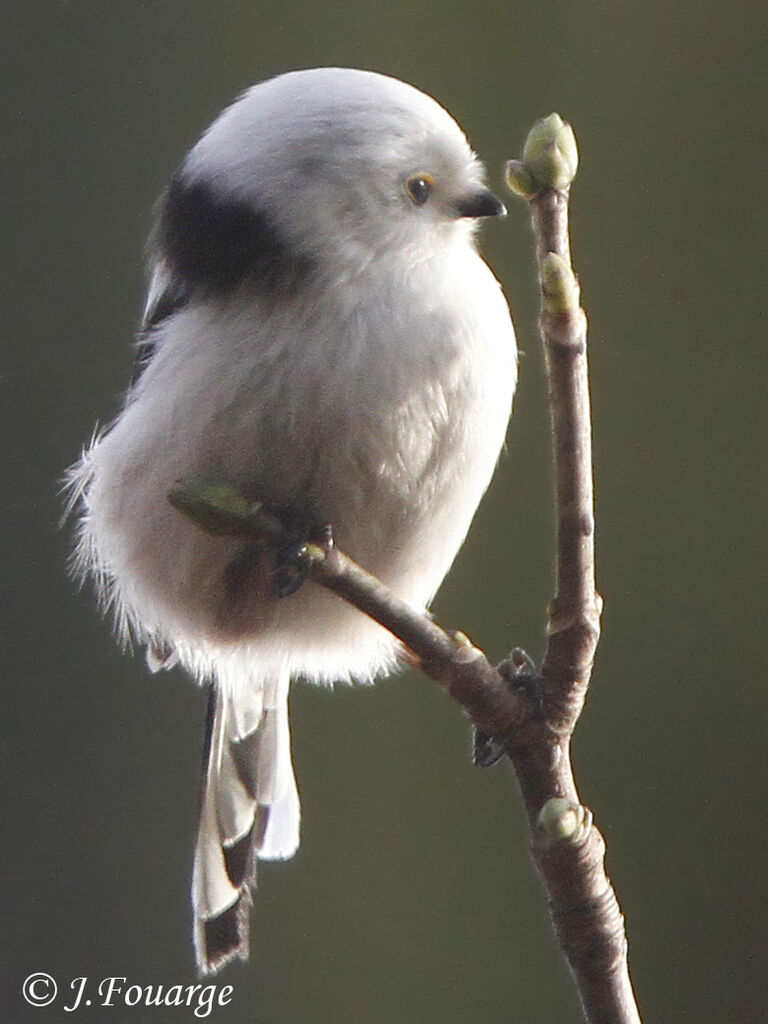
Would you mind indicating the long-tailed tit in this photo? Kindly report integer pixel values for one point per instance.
(320, 333)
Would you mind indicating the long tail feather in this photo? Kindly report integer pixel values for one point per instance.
(249, 809)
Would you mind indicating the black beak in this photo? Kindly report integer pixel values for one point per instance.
(480, 203)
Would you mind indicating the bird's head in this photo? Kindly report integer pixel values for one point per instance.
(328, 167)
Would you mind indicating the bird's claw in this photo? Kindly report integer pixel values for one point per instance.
(486, 751)
(520, 672)
(295, 558)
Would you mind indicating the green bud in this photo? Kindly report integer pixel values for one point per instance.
(214, 507)
(310, 555)
(558, 284)
(550, 153)
(465, 649)
(519, 179)
(561, 820)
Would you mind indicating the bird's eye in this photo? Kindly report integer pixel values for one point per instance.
(418, 186)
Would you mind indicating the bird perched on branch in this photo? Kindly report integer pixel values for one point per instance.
(320, 333)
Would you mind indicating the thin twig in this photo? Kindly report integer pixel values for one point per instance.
(567, 848)
(531, 718)
(489, 696)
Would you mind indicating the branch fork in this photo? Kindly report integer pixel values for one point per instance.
(517, 711)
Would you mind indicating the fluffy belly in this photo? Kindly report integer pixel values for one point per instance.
(392, 445)
(400, 507)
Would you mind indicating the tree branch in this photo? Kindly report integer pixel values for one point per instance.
(567, 848)
(494, 705)
(529, 717)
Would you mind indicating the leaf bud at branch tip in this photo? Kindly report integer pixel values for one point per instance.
(519, 179)
(216, 508)
(550, 154)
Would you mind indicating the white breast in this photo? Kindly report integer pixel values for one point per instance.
(387, 425)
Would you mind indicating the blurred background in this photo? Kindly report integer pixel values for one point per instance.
(412, 898)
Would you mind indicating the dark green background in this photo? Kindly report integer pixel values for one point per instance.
(412, 898)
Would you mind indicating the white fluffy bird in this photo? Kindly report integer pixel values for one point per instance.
(321, 334)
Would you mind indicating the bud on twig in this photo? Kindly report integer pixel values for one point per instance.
(550, 153)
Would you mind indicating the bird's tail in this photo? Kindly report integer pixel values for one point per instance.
(249, 810)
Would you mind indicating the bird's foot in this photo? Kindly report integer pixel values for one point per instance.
(520, 672)
(293, 558)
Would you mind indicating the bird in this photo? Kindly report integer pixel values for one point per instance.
(321, 333)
